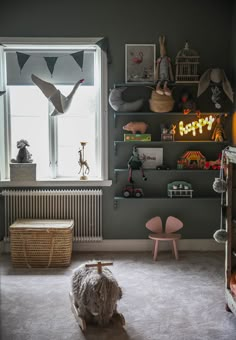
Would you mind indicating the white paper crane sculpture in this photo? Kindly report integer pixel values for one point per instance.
(60, 102)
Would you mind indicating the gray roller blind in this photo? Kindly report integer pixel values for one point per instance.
(66, 69)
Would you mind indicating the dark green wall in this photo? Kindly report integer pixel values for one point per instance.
(207, 25)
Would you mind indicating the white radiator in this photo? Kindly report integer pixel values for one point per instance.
(83, 206)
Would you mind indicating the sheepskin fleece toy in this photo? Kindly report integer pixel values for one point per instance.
(95, 294)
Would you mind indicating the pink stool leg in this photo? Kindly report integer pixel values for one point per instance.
(175, 249)
(153, 247)
(172, 248)
(155, 250)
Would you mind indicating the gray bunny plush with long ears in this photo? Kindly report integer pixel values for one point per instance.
(216, 76)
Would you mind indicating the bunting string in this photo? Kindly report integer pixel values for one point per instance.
(103, 43)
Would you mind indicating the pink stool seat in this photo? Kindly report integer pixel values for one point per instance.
(164, 237)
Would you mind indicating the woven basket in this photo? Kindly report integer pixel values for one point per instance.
(161, 103)
(41, 243)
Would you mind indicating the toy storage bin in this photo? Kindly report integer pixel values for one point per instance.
(23, 171)
(41, 243)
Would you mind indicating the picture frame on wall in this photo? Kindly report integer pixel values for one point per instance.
(151, 157)
(140, 63)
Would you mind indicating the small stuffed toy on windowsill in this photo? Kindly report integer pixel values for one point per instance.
(23, 156)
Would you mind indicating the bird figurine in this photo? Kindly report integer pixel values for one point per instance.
(59, 101)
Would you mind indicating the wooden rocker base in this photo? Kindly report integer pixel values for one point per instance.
(118, 317)
(81, 321)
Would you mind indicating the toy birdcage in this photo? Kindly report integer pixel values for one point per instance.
(187, 62)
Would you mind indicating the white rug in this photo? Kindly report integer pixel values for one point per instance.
(163, 300)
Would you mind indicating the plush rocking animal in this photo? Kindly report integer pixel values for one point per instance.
(94, 295)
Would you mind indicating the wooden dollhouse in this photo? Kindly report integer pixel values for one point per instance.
(191, 160)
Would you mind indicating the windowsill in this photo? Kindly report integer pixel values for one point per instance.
(58, 182)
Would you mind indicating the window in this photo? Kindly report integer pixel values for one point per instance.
(26, 112)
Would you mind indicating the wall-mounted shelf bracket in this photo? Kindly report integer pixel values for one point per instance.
(115, 176)
(115, 148)
(114, 115)
(115, 204)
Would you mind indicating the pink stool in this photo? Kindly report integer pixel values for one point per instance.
(172, 224)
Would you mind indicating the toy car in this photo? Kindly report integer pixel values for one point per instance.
(131, 191)
(214, 165)
(162, 167)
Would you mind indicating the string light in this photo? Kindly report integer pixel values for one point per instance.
(197, 124)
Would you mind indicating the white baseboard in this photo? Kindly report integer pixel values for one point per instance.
(137, 245)
(146, 245)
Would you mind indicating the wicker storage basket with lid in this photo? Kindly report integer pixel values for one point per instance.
(41, 243)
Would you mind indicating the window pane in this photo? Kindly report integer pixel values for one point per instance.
(27, 101)
(29, 120)
(77, 125)
(57, 140)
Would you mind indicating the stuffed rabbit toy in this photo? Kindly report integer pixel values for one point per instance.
(163, 70)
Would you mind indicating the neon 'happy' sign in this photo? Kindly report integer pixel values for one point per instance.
(197, 124)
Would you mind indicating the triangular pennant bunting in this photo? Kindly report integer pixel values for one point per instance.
(22, 59)
(79, 58)
(51, 61)
(104, 45)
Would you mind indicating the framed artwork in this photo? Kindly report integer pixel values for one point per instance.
(140, 63)
(151, 157)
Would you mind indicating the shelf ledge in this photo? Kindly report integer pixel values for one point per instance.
(55, 183)
(167, 198)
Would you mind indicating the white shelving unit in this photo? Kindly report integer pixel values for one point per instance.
(230, 248)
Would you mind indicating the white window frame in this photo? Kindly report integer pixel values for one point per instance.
(14, 43)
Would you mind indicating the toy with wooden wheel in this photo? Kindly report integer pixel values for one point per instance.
(74, 309)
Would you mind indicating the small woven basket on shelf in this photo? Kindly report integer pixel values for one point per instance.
(41, 243)
(161, 103)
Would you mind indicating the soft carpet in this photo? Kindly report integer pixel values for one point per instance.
(163, 300)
